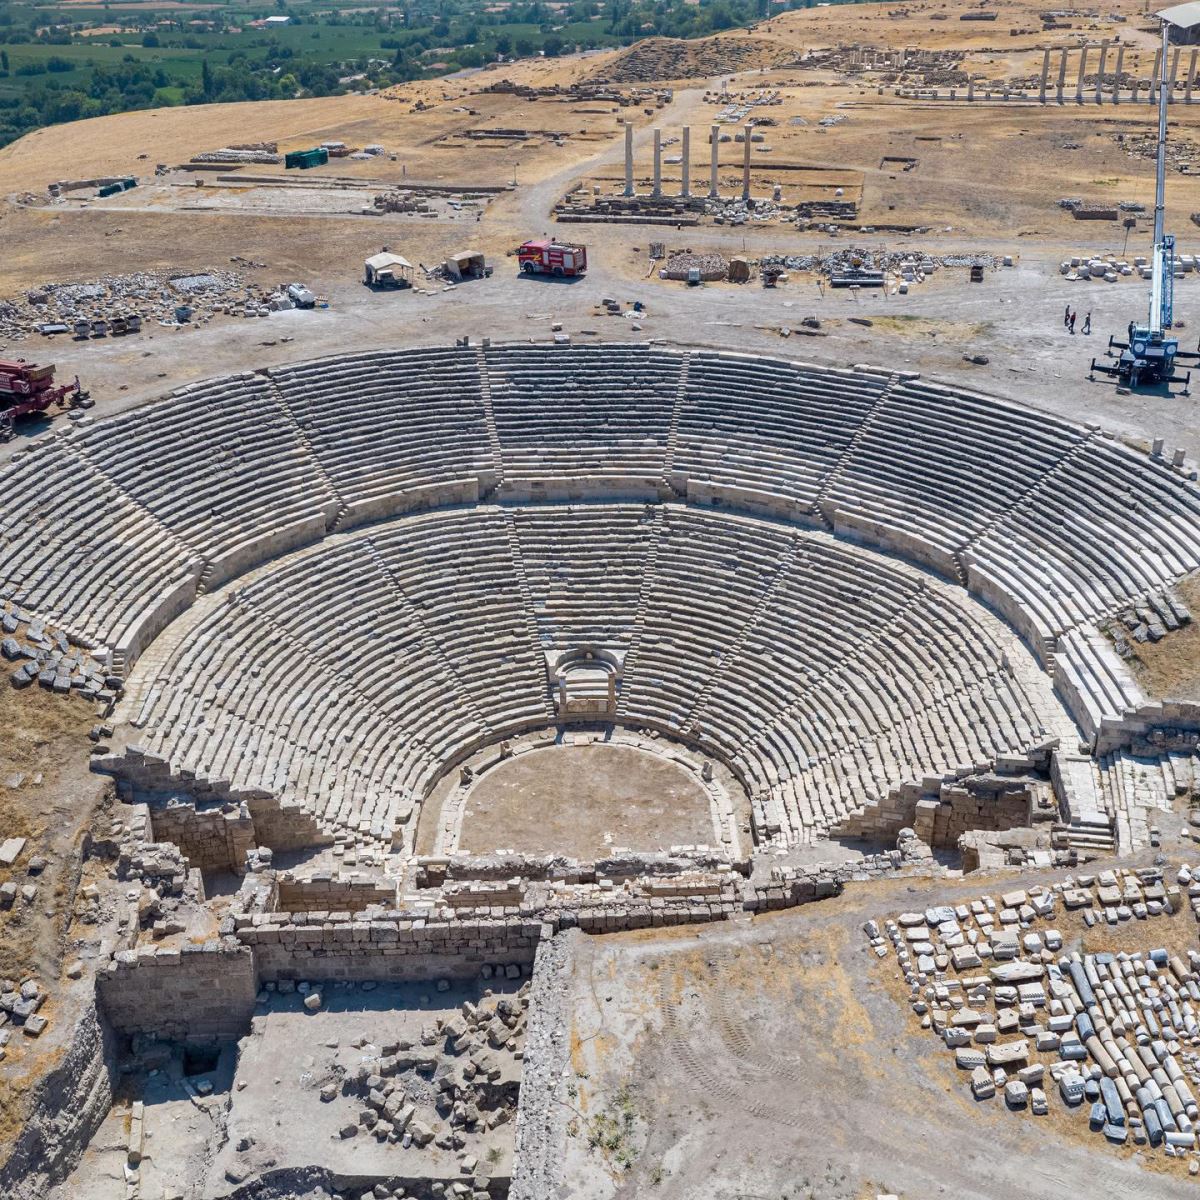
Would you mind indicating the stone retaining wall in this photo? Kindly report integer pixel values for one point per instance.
(208, 991)
(213, 838)
(340, 946)
(323, 893)
(940, 819)
(199, 992)
(1166, 722)
(541, 1118)
(70, 1102)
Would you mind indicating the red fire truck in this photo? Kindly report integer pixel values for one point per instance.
(544, 256)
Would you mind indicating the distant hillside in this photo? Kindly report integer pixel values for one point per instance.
(669, 58)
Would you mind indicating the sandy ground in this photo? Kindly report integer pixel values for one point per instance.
(1018, 313)
(48, 797)
(584, 801)
(1170, 669)
(770, 1059)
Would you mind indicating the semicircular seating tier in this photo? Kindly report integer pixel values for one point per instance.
(113, 528)
(347, 678)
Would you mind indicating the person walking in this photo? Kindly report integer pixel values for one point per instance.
(1087, 323)
(1071, 322)
(1067, 317)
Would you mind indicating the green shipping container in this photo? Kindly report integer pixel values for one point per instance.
(303, 159)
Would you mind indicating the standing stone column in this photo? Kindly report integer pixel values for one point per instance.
(1062, 74)
(1174, 72)
(1100, 71)
(686, 164)
(1187, 93)
(1045, 72)
(713, 191)
(970, 88)
(628, 158)
(657, 164)
(1116, 93)
(1154, 77)
(746, 162)
(1082, 69)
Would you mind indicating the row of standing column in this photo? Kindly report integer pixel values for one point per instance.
(686, 164)
(1098, 90)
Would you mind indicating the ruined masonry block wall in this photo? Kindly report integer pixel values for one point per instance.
(937, 822)
(395, 951)
(540, 1140)
(204, 991)
(331, 895)
(283, 827)
(211, 839)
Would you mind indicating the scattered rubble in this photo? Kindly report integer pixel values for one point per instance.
(121, 303)
(261, 152)
(682, 262)
(991, 978)
(41, 654)
(1149, 621)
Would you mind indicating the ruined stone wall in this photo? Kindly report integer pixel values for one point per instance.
(283, 827)
(321, 945)
(540, 1136)
(1165, 724)
(202, 992)
(69, 1104)
(942, 822)
(938, 820)
(323, 893)
(213, 838)
(279, 826)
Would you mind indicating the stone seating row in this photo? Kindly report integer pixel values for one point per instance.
(758, 423)
(347, 678)
(383, 422)
(1018, 500)
(584, 566)
(351, 699)
(582, 410)
(77, 550)
(217, 463)
(107, 530)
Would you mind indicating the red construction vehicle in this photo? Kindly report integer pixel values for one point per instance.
(27, 388)
(544, 256)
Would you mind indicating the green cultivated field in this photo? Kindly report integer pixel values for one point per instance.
(62, 61)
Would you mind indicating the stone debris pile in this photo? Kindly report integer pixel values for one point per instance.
(44, 655)
(403, 201)
(96, 308)
(1149, 621)
(681, 263)
(906, 266)
(1025, 1015)
(266, 153)
(19, 1004)
(450, 1086)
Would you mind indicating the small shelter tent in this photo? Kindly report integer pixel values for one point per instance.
(387, 270)
(466, 264)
